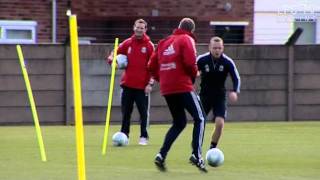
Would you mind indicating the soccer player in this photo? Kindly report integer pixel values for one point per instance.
(136, 82)
(214, 67)
(173, 64)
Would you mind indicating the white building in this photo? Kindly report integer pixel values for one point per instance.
(275, 21)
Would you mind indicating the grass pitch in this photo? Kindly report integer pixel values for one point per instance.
(257, 151)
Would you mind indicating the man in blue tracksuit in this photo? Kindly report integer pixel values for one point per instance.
(214, 67)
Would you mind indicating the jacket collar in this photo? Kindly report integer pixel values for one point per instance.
(181, 31)
(145, 38)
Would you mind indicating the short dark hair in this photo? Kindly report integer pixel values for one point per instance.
(187, 24)
(216, 39)
(141, 21)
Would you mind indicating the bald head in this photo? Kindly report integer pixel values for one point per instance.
(187, 24)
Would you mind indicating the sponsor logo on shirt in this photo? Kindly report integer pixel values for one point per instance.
(206, 68)
(221, 68)
(168, 66)
(169, 51)
(129, 50)
(143, 50)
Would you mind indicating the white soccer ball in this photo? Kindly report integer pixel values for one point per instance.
(120, 139)
(215, 157)
(122, 61)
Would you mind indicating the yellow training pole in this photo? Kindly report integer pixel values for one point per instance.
(77, 96)
(113, 72)
(32, 103)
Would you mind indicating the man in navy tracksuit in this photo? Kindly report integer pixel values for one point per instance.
(214, 67)
(173, 64)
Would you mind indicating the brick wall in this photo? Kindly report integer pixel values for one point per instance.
(202, 11)
(39, 11)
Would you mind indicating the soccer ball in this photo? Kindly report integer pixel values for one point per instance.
(215, 157)
(122, 61)
(120, 139)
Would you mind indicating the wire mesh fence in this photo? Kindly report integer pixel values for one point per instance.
(107, 31)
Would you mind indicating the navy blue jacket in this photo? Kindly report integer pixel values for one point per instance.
(214, 72)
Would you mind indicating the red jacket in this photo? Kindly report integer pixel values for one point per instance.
(138, 52)
(173, 63)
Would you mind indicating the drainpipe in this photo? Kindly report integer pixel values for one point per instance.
(54, 21)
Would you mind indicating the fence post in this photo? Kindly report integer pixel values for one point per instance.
(290, 83)
(290, 44)
(68, 88)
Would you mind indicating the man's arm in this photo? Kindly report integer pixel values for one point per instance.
(153, 65)
(235, 77)
(121, 50)
(189, 56)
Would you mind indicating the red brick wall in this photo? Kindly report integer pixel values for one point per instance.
(39, 11)
(202, 10)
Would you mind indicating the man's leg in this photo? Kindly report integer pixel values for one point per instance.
(127, 101)
(176, 108)
(193, 105)
(219, 112)
(142, 102)
(206, 103)
(219, 124)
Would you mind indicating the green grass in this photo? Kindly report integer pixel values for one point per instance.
(258, 151)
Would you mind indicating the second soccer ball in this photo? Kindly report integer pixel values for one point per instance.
(215, 157)
(120, 139)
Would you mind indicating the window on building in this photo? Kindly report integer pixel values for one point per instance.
(17, 32)
(308, 35)
(230, 32)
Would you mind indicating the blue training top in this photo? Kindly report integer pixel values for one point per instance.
(214, 72)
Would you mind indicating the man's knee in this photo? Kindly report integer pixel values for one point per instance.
(180, 126)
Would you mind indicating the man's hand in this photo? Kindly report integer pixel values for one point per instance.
(109, 58)
(233, 96)
(148, 89)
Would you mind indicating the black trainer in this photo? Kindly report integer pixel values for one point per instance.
(159, 162)
(198, 162)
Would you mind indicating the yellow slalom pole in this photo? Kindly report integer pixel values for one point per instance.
(77, 96)
(32, 103)
(113, 72)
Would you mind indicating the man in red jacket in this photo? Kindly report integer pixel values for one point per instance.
(174, 64)
(136, 81)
